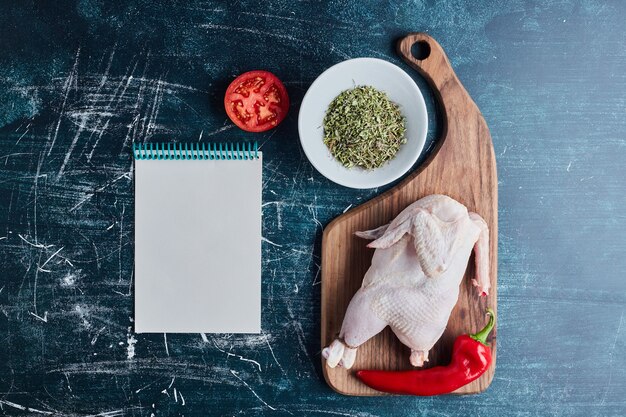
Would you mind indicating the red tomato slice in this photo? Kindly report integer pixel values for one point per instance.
(256, 101)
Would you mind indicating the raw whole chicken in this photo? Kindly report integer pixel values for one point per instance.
(413, 282)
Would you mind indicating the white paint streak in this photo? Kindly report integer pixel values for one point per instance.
(67, 378)
(611, 352)
(313, 211)
(264, 239)
(272, 202)
(114, 413)
(250, 30)
(273, 355)
(251, 390)
(81, 127)
(51, 256)
(95, 338)
(336, 413)
(44, 318)
(93, 148)
(317, 281)
(338, 51)
(131, 341)
(168, 84)
(145, 386)
(220, 130)
(102, 188)
(35, 245)
(67, 86)
(241, 358)
(24, 408)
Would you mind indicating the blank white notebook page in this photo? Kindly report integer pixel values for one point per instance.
(198, 246)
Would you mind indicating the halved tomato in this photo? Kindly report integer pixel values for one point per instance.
(256, 101)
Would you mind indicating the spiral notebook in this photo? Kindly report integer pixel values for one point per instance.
(197, 238)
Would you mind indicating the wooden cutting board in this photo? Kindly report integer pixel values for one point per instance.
(463, 167)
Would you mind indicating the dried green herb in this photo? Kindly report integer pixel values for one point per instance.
(362, 127)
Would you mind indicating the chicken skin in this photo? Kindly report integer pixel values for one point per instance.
(413, 282)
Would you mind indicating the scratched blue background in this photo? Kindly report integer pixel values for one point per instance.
(80, 81)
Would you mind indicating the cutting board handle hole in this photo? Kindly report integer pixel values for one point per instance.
(420, 50)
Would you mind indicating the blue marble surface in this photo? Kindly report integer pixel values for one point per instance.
(81, 80)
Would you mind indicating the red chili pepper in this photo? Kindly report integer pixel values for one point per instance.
(471, 357)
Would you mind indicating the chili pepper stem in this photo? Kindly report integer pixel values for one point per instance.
(481, 336)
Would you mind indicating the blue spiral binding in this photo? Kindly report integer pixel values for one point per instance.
(194, 151)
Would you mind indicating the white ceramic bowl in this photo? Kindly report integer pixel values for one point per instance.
(384, 76)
